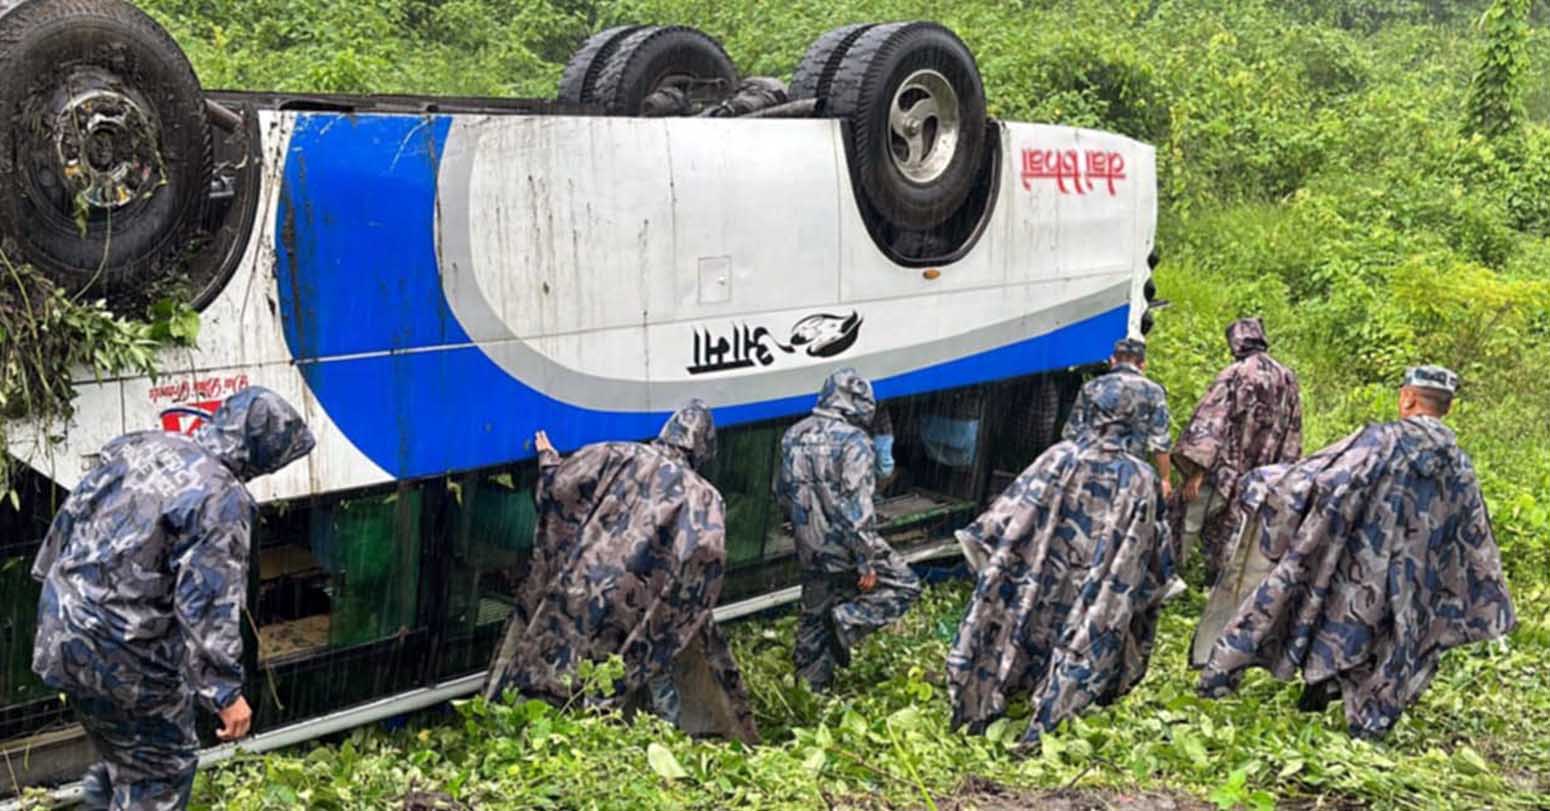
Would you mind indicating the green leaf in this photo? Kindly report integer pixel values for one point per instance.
(1469, 761)
(663, 763)
(854, 723)
(905, 720)
(823, 736)
(996, 731)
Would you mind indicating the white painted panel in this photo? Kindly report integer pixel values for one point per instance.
(242, 327)
(335, 464)
(570, 220)
(764, 196)
(1076, 198)
(65, 451)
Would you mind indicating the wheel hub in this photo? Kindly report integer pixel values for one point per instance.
(924, 125)
(105, 146)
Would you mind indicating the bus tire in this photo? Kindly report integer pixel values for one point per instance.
(916, 105)
(105, 153)
(579, 80)
(657, 59)
(816, 70)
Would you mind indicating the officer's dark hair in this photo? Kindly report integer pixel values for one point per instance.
(1130, 358)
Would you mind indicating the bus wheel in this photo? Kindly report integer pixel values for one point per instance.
(105, 153)
(664, 71)
(579, 81)
(916, 105)
(815, 72)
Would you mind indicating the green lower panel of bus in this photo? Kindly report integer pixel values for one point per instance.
(18, 622)
(372, 549)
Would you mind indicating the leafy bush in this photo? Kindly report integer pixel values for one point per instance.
(47, 339)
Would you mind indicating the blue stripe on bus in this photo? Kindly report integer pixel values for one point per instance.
(357, 273)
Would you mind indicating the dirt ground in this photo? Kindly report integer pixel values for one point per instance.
(978, 794)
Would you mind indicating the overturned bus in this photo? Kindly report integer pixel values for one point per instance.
(432, 280)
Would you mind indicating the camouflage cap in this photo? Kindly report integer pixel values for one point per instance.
(1436, 378)
(1131, 346)
(1246, 336)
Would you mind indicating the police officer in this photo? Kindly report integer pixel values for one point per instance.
(1144, 400)
(144, 575)
(852, 582)
(628, 559)
(1251, 416)
(1360, 566)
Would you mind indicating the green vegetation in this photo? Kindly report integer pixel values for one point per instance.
(47, 336)
(881, 741)
(1370, 175)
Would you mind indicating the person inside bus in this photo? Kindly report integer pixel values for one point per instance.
(1250, 417)
(144, 574)
(1073, 559)
(882, 442)
(1360, 566)
(627, 559)
(853, 582)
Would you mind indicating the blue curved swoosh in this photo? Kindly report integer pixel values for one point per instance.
(366, 319)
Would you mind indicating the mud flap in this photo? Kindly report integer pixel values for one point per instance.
(1238, 581)
(705, 707)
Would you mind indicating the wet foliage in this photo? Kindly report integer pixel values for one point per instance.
(880, 741)
(51, 340)
(1368, 175)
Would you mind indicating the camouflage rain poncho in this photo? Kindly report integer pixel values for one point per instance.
(827, 480)
(1250, 417)
(144, 575)
(1361, 564)
(1077, 554)
(628, 560)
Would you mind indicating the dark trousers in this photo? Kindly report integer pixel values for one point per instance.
(149, 752)
(836, 615)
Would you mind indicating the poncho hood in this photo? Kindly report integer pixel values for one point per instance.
(1246, 336)
(255, 433)
(691, 430)
(848, 396)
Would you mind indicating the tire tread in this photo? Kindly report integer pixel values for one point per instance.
(581, 71)
(611, 82)
(162, 258)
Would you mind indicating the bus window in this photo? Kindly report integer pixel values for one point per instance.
(491, 524)
(23, 525)
(1026, 417)
(938, 466)
(744, 472)
(18, 612)
(337, 574)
